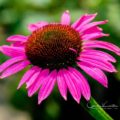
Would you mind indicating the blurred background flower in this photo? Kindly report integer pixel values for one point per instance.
(14, 16)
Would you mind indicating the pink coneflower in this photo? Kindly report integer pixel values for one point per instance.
(56, 52)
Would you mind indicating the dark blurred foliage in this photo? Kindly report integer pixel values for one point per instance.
(15, 15)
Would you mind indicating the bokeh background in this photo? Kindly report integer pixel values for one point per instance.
(15, 15)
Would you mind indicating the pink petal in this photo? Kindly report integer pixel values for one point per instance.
(85, 88)
(98, 55)
(47, 86)
(15, 68)
(27, 76)
(62, 85)
(33, 78)
(90, 25)
(93, 36)
(104, 65)
(102, 44)
(33, 27)
(36, 85)
(17, 38)
(18, 44)
(65, 19)
(95, 73)
(94, 29)
(10, 62)
(12, 51)
(72, 86)
(84, 20)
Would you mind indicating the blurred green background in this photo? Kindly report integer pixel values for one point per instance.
(15, 15)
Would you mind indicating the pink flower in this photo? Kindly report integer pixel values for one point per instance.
(56, 52)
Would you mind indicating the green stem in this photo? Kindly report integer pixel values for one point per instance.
(95, 110)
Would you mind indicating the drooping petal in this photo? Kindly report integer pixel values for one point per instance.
(82, 82)
(33, 27)
(27, 76)
(98, 56)
(90, 25)
(93, 36)
(104, 65)
(94, 29)
(65, 18)
(15, 68)
(33, 78)
(12, 51)
(72, 86)
(95, 73)
(10, 62)
(62, 84)
(97, 53)
(36, 85)
(84, 20)
(93, 57)
(102, 44)
(18, 44)
(47, 86)
(17, 38)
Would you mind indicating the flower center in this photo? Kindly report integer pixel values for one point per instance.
(53, 46)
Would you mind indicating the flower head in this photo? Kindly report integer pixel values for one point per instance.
(55, 52)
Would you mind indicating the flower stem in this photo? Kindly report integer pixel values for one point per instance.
(95, 110)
